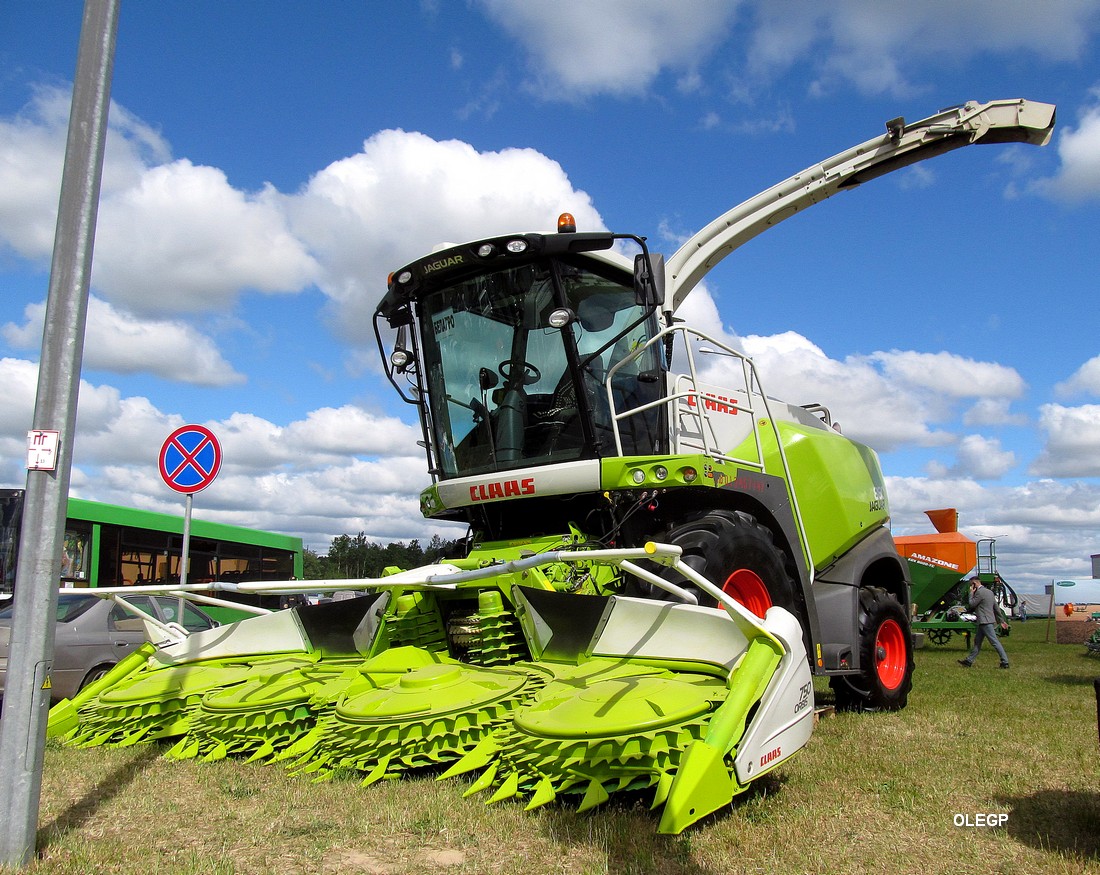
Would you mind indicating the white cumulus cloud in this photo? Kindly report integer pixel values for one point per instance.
(32, 153)
(874, 404)
(1072, 446)
(888, 399)
(1078, 177)
(404, 194)
(951, 374)
(1085, 380)
(333, 471)
(120, 342)
(872, 45)
(978, 457)
(176, 241)
(183, 240)
(578, 48)
(171, 237)
(992, 411)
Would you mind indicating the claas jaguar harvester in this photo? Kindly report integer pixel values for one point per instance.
(657, 565)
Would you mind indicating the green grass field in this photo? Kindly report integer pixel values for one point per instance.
(871, 793)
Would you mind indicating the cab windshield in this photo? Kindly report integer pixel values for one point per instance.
(509, 390)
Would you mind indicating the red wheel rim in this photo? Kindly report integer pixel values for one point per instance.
(746, 588)
(890, 654)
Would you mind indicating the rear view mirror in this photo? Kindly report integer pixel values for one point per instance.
(649, 279)
(486, 379)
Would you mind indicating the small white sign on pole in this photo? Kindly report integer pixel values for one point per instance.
(42, 450)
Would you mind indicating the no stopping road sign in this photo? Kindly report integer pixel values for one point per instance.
(190, 459)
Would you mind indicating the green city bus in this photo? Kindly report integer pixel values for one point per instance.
(109, 545)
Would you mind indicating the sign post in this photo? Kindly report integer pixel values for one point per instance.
(190, 459)
(50, 444)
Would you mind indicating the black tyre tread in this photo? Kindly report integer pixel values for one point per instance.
(95, 674)
(717, 542)
(863, 692)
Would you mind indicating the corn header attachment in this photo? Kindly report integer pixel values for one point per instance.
(486, 671)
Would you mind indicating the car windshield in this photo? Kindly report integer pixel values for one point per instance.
(193, 619)
(69, 607)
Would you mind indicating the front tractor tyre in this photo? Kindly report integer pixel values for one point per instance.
(738, 554)
(885, 657)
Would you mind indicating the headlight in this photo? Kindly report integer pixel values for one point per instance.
(561, 317)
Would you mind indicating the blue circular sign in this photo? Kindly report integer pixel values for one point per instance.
(190, 459)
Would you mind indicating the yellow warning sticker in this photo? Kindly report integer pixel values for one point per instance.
(47, 684)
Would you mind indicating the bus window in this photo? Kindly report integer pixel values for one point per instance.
(11, 517)
(201, 559)
(239, 562)
(142, 556)
(76, 554)
(277, 565)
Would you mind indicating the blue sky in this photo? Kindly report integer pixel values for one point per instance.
(270, 163)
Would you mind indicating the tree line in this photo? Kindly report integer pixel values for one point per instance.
(353, 556)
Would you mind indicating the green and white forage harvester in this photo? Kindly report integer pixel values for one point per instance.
(661, 556)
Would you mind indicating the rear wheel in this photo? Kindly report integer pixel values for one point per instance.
(95, 674)
(738, 554)
(885, 657)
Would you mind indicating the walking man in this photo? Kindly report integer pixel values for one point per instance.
(983, 604)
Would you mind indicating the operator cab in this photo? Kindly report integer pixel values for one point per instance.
(511, 343)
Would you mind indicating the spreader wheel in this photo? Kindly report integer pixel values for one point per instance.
(939, 636)
(885, 657)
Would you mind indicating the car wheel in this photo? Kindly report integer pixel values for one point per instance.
(95, 674)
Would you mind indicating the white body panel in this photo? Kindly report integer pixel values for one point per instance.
(566, 478)
(641, 628)
(784, 721)
(725, 421)
(271, 633)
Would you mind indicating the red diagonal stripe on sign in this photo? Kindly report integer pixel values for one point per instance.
(190, 459)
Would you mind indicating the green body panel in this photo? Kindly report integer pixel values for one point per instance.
(583, 579)
(841, 493)
(430, 503)
(840, 489)
(686, 470)
(930, 583)
(504, 551)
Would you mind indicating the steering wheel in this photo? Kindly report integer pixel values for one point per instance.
(531, 374)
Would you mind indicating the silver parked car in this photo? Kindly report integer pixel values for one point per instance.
(94, 633)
